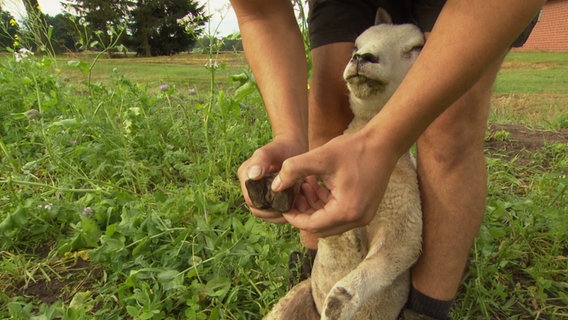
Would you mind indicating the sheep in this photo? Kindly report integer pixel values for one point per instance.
(364, 273)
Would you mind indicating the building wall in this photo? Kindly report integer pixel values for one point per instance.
(551, 31)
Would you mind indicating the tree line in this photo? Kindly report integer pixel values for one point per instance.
(147, 27)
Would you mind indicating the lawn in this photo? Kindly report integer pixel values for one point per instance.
(184, 71)
(119, 197)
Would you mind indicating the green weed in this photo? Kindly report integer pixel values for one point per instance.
(119, 199)
(519, 263)
(127, 178)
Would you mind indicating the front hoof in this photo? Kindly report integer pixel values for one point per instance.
(338, 305)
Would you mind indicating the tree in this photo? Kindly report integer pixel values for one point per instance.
(8, 30)
(63, 35)
(98, 15)
(233, 42)
(156, 31)
(153, 24)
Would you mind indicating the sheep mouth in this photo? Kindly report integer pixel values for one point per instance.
(364, 87)
(358, 79)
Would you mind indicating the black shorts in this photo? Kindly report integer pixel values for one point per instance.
(332, 21)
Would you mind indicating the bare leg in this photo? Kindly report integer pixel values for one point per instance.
(329, 112)
(452, 175)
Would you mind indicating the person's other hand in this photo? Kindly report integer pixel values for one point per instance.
(264, 161)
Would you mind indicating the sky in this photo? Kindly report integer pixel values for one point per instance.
(223, 16)
(224, 19)
(51, 7)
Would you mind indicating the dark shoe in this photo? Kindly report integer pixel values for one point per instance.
(300, 264)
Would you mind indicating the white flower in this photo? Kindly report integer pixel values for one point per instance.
(22, 54)
(46, 207)
(187, 19)
(212, 64)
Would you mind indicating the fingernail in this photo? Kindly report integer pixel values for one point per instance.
(254, 172)
(276, 183)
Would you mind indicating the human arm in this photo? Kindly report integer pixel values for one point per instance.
(275, 52)
(468, 37)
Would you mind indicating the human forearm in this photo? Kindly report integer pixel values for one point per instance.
(459, 50)
(274, 50)
(469, 38)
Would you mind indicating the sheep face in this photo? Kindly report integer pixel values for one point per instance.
(381, 58)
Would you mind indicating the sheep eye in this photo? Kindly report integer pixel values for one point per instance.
(409, 53)
(417, 48)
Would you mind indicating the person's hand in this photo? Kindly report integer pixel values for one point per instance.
(264, 161)
(355, 173)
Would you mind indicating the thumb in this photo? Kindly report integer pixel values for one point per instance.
(297, 168)
(255, 172)
(261, 163)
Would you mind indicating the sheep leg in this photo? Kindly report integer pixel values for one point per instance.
(297, 304)
(375, 274)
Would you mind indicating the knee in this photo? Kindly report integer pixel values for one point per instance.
(451, 145)
(457, 134)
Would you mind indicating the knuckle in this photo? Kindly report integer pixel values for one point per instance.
(288, 166)
(241, 170)
(260, 155)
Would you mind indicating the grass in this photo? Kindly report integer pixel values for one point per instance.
(184, 71)
(119, 199)
(533, 73)
(531, 89)
(519, 263)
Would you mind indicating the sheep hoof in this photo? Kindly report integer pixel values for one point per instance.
(338, 304)
(264, 198)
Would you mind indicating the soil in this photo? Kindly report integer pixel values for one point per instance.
(79, 276)
(60, 279)
(517, 141)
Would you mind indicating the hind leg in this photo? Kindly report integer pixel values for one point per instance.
(374, 276)
(297, 304)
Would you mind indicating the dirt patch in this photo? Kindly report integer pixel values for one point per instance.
(49, 278)
(517, 141)
(74, 276)
(521, 137)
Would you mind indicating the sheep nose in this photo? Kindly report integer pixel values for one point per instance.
(365, 57)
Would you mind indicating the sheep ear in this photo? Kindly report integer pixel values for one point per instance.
(382, 17)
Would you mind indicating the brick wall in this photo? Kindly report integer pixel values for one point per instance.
(551, 31)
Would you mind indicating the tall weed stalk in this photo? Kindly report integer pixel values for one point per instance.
(217, 106)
